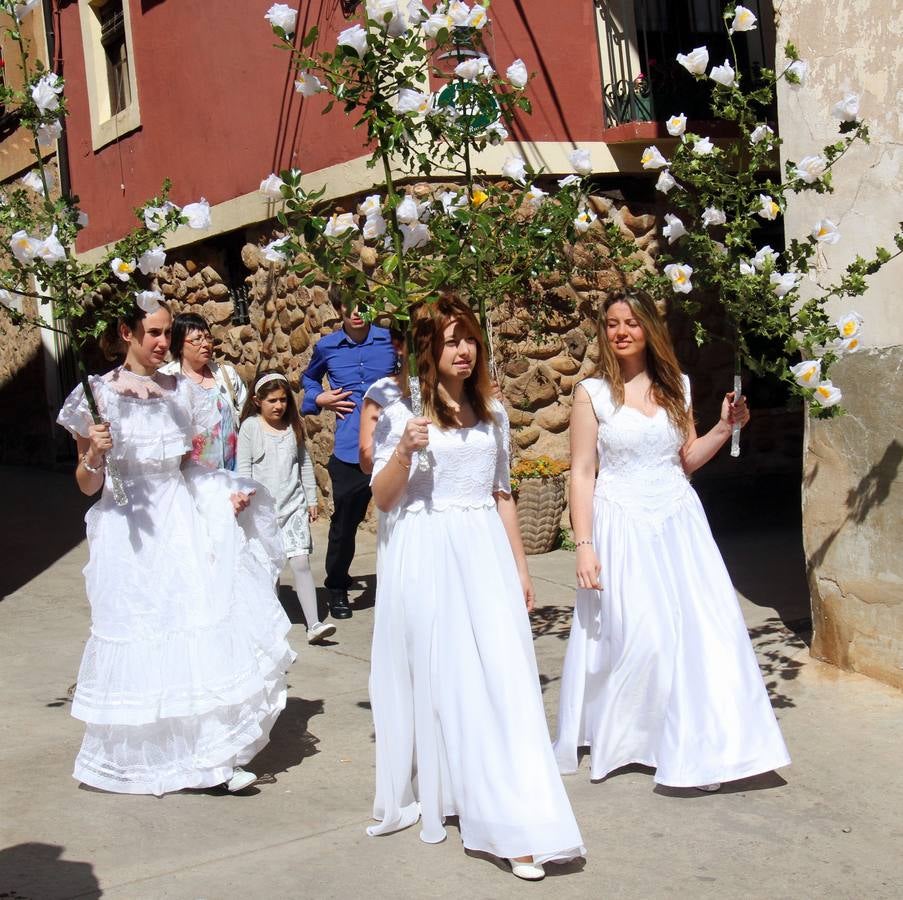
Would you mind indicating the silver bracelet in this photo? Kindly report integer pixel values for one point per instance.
(89, 468)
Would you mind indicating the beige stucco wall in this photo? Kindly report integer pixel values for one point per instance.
(853, 490)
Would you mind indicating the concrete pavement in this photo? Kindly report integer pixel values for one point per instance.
(827, 827)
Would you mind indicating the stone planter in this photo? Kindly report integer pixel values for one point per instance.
(540, 505)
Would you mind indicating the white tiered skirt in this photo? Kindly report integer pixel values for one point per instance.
(183, 675)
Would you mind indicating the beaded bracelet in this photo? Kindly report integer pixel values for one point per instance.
(584, 541)
(89, 468)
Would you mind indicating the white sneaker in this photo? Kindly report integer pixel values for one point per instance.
(240, 780)
(709, 788)
(529, 871)
(319, 632)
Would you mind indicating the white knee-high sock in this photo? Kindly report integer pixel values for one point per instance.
(305, 588)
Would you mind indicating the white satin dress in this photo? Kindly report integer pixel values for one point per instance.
(659, 668)
(457, 707)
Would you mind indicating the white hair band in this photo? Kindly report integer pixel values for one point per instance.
(270, 376)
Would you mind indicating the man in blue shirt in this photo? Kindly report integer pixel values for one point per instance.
(352, 358)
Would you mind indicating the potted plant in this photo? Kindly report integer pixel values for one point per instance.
(538, 485)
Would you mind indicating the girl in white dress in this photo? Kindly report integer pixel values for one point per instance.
(272, 450)
(183, 675)
(659, 669)
(454, 686)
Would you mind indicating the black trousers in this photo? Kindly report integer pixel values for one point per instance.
(350, 495)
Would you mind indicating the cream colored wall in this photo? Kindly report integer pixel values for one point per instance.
(855, 46)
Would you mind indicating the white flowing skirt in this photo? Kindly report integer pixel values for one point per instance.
(458, 712)
(659, 668)
(183, 675)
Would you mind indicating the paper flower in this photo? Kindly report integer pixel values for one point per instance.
(152, 260)
(122, 268)
(581, 161)
(764, 257)
(32, 180)
(374, 226)
(515, 169)
(811, 168)
(279, 15)
(534, 197)
(198, 214)
(680, 275)
(372, 204)
(271, 187)
(408, 211)
(478, 67)
(50, 249)
(768, 207)
(452, 201)
(46, 92)
(583, 221)
(807, 373)
(355, 38)
(149, 301)
(676, 125)
(653, 159)
(414, 236)
(783, 284)
(388, 14)
(840, 346)
(849, 325)
(436, 23)
(307, 85)
(48, 132)
(478, 197)
(723, 74)
(744, 20)
(746, 267)
(797, 72)
(21, 10)
(81, 219)
(496, 133)
(411, 101)
(458, 12)
(273, 252)
(665, 182)
(478, 17)
(517, 74)
(155, 216)
(761, 133)
(696, 61)
(674, 228)
(339, 223)
(703, 146)
(825, 232)
(847, 109)
(713, 216)
(568, 181)
(827, 394)
(24, 246)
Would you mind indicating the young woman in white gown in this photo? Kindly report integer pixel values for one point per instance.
(659, 669)
(457, 707)
(183, 675)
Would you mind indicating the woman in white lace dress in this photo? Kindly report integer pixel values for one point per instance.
(183, 675)
(454, 685)
(659, 669)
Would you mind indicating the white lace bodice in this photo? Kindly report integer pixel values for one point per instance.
(467, 465)
(639, 456)
(153, 419)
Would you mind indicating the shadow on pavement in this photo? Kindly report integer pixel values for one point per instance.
(36, 871)
(290, 740)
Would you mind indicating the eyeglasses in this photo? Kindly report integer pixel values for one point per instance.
(199, 340)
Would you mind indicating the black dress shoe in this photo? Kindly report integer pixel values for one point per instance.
(338, 605)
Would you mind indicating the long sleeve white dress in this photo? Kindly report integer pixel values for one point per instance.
(659, 668)
(458, 712)
(183, 675)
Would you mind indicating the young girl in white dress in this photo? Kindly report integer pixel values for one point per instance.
(454, 685)
(272, 450)
(183, 675)
(659, 669)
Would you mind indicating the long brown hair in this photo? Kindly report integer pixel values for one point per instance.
(428, 324)
(661, 361)
(110, 341)
(291, 408)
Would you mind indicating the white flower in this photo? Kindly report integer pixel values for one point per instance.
(534, 197)
(414, 236)
(476, 68)
(840, 346)
(339, 223)
(798, 69)
(713, 216)
(847, 110)
(49, 132)
(744, 20)
(24, 246)
(665, 182)
(680, 277)
(825, 232)
(355, 38)
(517, 74)
(703, 147)
(411, 101)
(451, 201)
(152, 260)
(23, 9)
(764, 256)
(849, 325)
(747, 268)
(307, 85)
(271, 187)
(760, 133)
(676, 125)
(724, 74)
(279, 15)
(653, 159)
(674, 228)
(568, 180)
(408, 210)
(50, 249)
(696, 61)
(515, 169)
(583, 221)
(478, 17)
(149, 301)
(374, 226)
(122, 268)
(272, 252)
(768, 207)
(198, 214)
(436, 22)
(388, 14)
(81, 219)
(811, 168)
(496, 133)
(807, 373)
(827, 394)
(155, 216)
(581, 161)
(783, 284)
(33, 181)
(458, 12)
(372, 204)
(46, 92)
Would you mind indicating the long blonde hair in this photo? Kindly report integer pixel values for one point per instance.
(661, 361)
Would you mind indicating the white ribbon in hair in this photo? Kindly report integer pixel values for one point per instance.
(270, 376)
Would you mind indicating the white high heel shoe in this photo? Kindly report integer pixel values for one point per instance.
(529, 871)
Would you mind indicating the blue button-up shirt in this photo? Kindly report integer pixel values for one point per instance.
(349, 367)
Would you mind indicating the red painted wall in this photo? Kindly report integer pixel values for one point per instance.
(219, 111)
